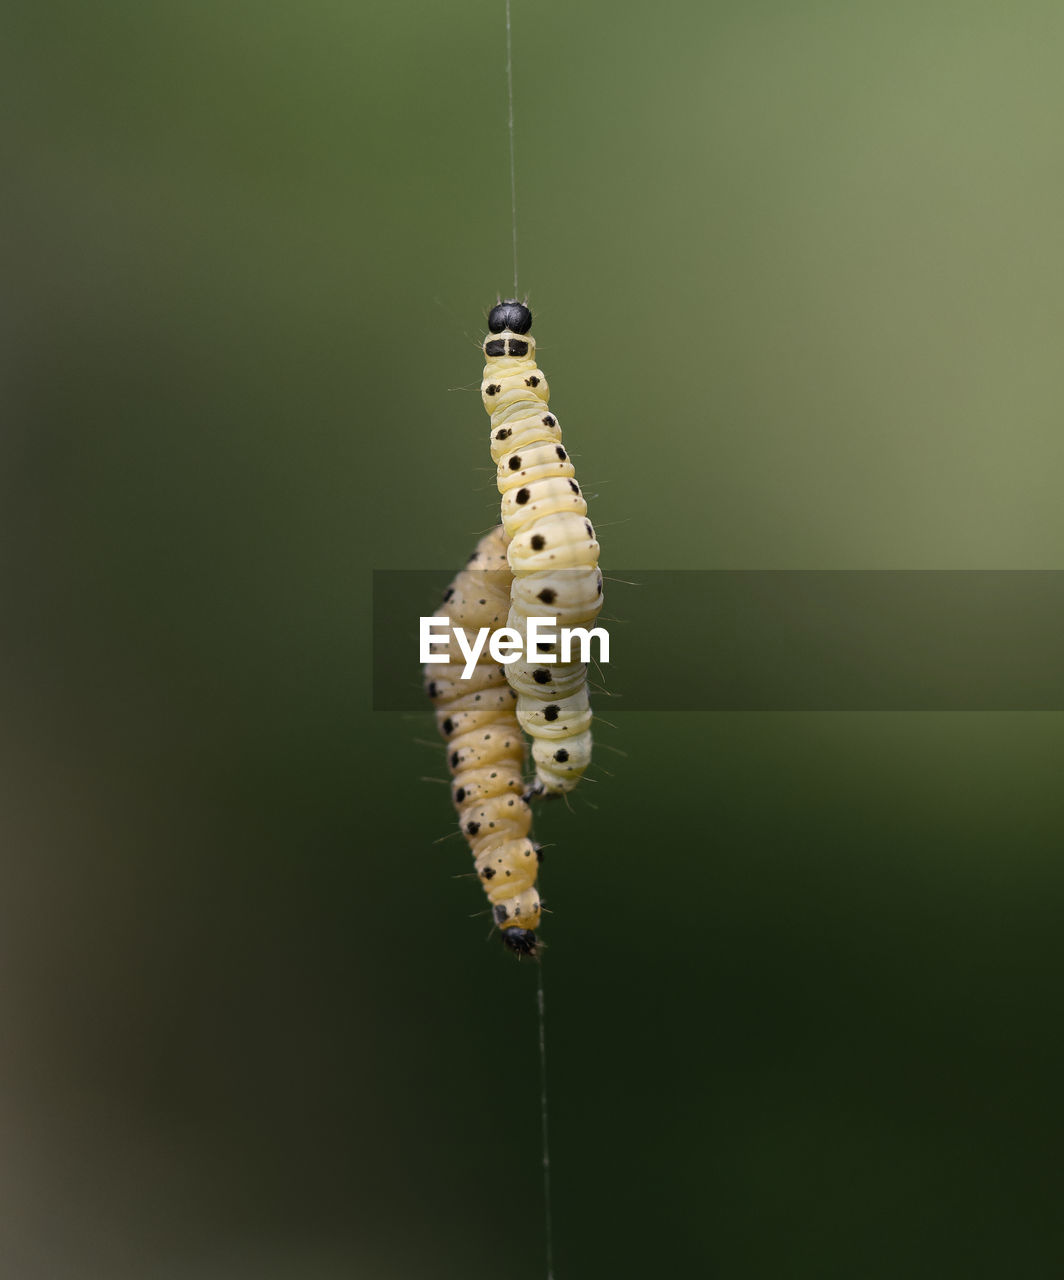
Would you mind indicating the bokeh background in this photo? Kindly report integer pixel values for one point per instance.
(798, 277)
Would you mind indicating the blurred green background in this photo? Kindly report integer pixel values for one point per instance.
(797, 272)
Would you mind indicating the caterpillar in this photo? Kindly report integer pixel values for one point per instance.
(552, 552)
(486, 750)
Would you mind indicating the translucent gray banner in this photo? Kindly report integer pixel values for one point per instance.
(831, 640)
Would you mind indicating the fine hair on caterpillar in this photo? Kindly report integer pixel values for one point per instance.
(552, 551)
(486, 749)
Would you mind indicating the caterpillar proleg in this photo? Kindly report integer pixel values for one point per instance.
(553, 551)
(486, 749)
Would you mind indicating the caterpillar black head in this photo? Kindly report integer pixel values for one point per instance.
(521, 941)
(512, 315)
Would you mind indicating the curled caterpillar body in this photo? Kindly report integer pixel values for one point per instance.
(486, 750)
(553, 551)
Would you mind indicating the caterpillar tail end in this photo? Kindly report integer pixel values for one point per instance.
(540, 790)
(522, 942)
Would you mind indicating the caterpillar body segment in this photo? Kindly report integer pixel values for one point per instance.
(572, 597)
(485, 748)
(553, 552)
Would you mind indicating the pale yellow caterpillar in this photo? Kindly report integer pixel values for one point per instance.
(552, 552)
(486, 749)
